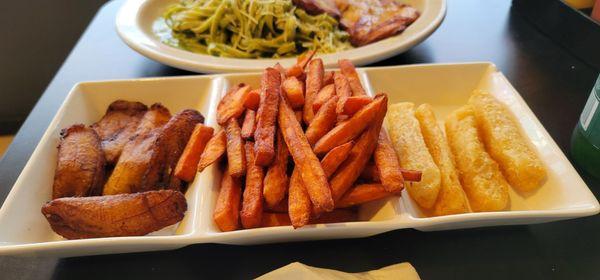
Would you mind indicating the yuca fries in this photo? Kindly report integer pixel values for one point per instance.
(480, 175)
(452, 198)
(505, 143)
(252, 199)
(264, 134)
(408, 142)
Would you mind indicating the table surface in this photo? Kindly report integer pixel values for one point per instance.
(554, 83)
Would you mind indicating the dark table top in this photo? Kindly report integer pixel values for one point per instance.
(554, 83)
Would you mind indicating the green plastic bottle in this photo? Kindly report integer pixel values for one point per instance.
(585, 142)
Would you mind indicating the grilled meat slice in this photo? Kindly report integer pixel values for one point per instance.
(115, 215)
(315, 7)
(148, 161)
(80, 167)
(368, 21)
(139, 157)
(117, 126)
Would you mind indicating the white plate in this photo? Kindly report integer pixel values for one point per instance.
(136, 17)
(24, 230)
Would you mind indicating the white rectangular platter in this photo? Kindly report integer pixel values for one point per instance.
(24, 231)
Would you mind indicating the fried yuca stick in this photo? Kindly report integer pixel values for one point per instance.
(507, 146)
(276, 181)
(236, 158)
(360, 154)
(452, 198)
(264, 134)
(215, 148)
(351, 128)
(362, 194)
(323, 122)
(405, 133)
(309, 166)
(227, 209)
(314, 83)
(480, 175)
(252, 199)
(388, 164)
(299, 205)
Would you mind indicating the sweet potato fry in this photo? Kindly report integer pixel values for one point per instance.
(264, 135)
(306, 161)
(347, 68)
(350, 169)
(353, 104)
(275, 220)
(232, 104)
(298, 68)
(186, 166)
(362, 194)
(215, 148)
(294, 91)
(227, 208)
(299, 205)
(370, 173)
(350, 129)
(298, 116)
(328, 78)
(236, 158)
(281, 70)
(336, 216)
(252, 200)
(314, 83)
(281, 207)
(332, 160)
(252, 100)
(326, 93)
(323, 122)
(276, 180)
(249, 124)
(388, 164)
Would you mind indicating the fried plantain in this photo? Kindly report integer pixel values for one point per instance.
(115, 215)
(80, 167)
(148, 161)
(117, 126)
(138, 154)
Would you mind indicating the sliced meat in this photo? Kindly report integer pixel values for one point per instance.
(115, 215)
(117, 126)
(148, 160)
(368, 21)
(139, 155)
(315, 7)
(80, 167)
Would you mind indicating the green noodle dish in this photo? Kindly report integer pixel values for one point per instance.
(249, 29)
